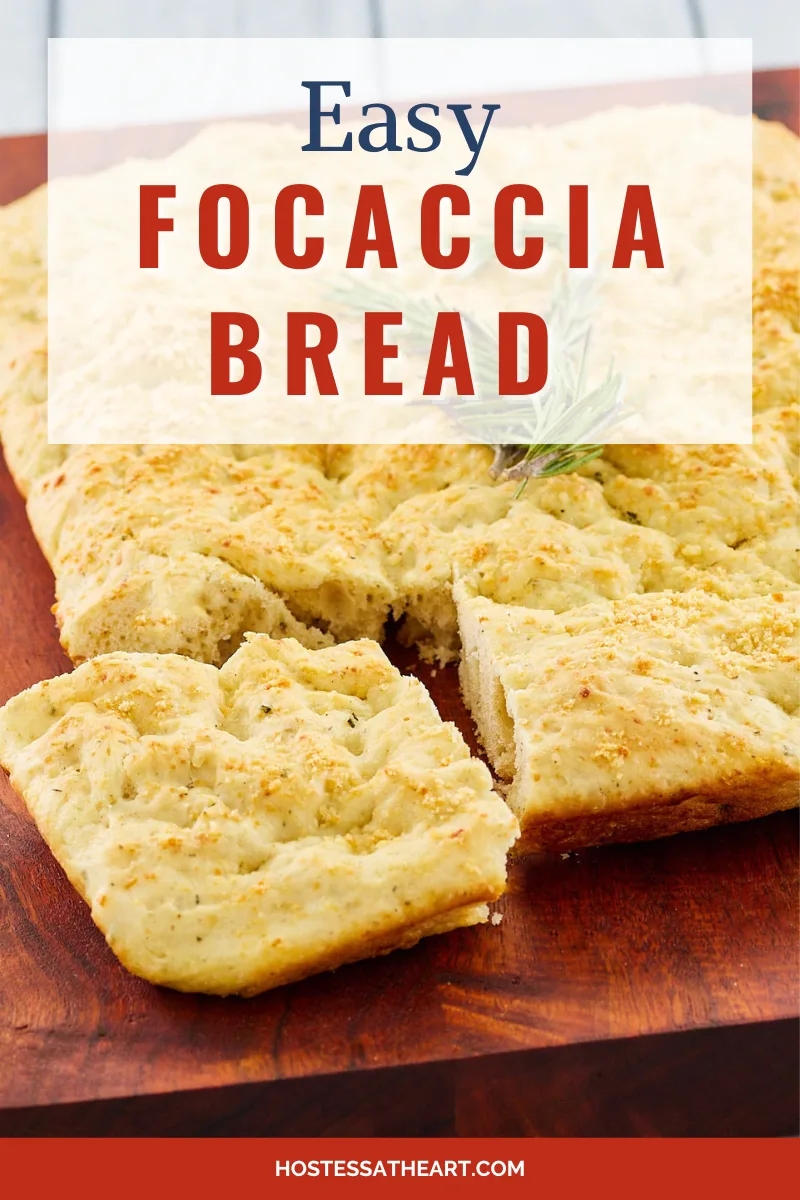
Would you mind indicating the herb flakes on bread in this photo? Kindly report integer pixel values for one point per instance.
(237, 829)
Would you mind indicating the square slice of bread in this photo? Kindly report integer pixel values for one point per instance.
(241, 828)
(638, 718)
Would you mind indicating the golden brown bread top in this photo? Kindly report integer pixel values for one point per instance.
(235, 829)
(638, 703)
(345, 534)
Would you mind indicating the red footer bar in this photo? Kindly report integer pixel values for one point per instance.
(643, 1169)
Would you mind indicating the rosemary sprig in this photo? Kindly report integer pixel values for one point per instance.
(564, 411)
(572, 417)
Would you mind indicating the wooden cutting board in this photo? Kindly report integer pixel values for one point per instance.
(629, 990)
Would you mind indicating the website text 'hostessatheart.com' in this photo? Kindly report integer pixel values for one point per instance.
(391, 1168)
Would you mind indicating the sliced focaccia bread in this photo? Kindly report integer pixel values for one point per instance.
(638, 718)
(23, 404)
(556, 547)
(725, 496)
(23, 260)
(776, 266)
(182, 548)
(240, 828)
(23, 340)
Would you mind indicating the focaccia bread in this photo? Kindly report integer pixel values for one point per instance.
(23, 341)
(776, 266)
(575, 538)
(184, 548)
(726, 496)
(181, 548)
(237, 829)
(636, 719)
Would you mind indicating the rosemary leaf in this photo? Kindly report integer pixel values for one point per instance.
(562, 423)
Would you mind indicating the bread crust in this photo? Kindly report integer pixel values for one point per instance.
(236, 829)
(639, 718)
(184, 549)
(643, 820)
(372, 531)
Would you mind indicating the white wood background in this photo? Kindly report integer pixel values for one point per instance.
(25, 26)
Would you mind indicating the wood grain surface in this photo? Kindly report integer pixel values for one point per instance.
(526, 1027)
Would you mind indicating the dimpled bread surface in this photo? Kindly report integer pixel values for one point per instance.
(640, 718)
(240, 828)
(184, 549)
